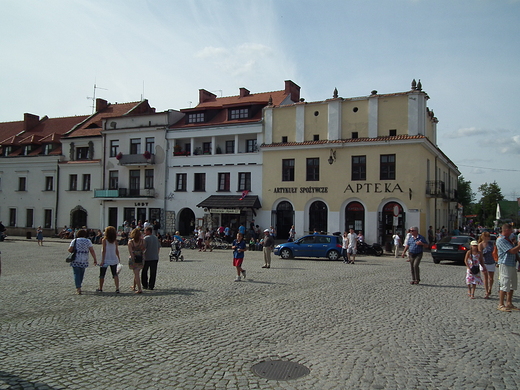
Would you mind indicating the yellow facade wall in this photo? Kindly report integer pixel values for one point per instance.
(284, 124)
(354, 121)
(393, 114)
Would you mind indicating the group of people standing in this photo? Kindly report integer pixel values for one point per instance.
(143, 258)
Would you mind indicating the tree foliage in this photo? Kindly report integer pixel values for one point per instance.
(491, 195)
(465, 196)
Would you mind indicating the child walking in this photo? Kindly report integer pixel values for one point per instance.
(239, 247)
(474, 262)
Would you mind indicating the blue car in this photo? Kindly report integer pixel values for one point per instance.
(315, 245)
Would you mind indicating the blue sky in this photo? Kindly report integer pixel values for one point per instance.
(466, 53)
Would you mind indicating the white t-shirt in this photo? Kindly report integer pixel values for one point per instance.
(397, 239)
(352, 240)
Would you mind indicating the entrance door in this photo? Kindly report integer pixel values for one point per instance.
(393, 221)
(355, 217)
(284, 219)
(186, 222)
(78, 219)
(112, 217)
(318, 217)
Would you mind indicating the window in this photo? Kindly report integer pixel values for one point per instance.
(47, 218)
(73, 182)
(284, 139)
(82, 153)
(239, 113)
(230, 147)
(150, 145)
(22, 184)
(113, 180)
(387, 167)
(250, 145)
(206, 147)
(354, 134)
(86, 182)
(12, 217)
(288, 169)
(244, 181)
(49, 183)
(148, 178)
(47, 149)
(135, 181)
(196, 117)
(181, 182)
(114, 147)
(8, 150)
(313, 169)
(223, 181)
(359, 168)
(316, 137)
(27, 149)
(200, 182)
(29, 217)
(135, 146)
(392, 133)
(187, 148)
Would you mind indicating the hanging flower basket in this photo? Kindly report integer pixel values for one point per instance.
(119, 156)
(147, 155)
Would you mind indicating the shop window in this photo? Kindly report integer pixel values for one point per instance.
(223, 181)
(359, 168)
(199, 182)
(313, 169)
(288, 169)
(244, 181)
(180, 184)
(387, 167)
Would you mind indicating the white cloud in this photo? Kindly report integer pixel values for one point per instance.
(509, 145)
(466, 132)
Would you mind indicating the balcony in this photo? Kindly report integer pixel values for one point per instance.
(136, 159)
(437, 189)
(125, 193)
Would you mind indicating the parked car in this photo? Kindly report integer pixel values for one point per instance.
(315, 245)
(452, 248)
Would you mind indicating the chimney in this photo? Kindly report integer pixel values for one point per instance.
(293, 89)
(101, 104)
(206, 96)
(244, 92)
(30, 121)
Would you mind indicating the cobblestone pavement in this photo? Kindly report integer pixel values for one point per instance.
(359, 326)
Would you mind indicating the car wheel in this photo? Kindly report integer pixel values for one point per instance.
(285, 253)
(436, 261)
(333, 255)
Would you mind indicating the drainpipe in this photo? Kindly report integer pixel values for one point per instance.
(57, 198)
(435, 207)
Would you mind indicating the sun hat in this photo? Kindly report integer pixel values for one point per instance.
(266, 231)
(473, 242)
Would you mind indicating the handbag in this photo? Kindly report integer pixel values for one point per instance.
(475, 269)
(72, 255)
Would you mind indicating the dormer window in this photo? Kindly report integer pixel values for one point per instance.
(47, 149)
(196, 117)
(8, 150)
(27, 149)
(82, 153)
(239, 113)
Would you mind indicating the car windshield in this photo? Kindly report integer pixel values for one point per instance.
(455, 240)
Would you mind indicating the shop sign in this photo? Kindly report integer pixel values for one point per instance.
(374, 187)
(224, 211)
(301, 190)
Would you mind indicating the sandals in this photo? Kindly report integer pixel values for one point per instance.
(503, 308)
(512, 308)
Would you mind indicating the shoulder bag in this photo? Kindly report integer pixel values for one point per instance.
(72, 255)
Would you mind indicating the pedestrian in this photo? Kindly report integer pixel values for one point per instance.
(151, 259)
(268, 248)
(508, 275)
(486, 247)
(109, 257)
(83, 246)
(200, 239)
(352, 238)
(207, 240)
(292, 234)
(39, 236)
(397, 243)
(360, 236)
(415, 247)
(406, 238)
(473, 261)
(344, 247)
(239, 247)
(136, 247)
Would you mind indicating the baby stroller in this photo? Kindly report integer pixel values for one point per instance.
(175, 251)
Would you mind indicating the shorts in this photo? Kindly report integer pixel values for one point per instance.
(237, 261)
(508, 278)
(103, 271)
(489, 267)
(351, 251)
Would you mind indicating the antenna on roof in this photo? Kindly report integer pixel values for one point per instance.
(218, 90)
(93, 98)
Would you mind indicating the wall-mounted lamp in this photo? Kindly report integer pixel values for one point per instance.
(332, 157)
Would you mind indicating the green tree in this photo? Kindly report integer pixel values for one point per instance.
(491, 195)
(465, 196)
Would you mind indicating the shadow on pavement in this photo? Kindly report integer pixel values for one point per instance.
(15, 382)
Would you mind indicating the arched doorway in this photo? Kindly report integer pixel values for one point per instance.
(355, 217)
(78, 217)
(186, 222)
(392, 221)
(284, 219)
(318, 216)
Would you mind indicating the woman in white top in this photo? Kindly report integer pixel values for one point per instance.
(109, 257)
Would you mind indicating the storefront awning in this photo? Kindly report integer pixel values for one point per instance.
(230, 202)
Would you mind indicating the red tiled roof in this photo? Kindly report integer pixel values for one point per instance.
(92, 126)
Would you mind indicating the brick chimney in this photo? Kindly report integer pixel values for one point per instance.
(101, 104)
(30, 121)
(244, 92)
(206, 96)
(293, 89)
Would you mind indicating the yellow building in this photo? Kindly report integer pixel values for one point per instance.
(370, 163)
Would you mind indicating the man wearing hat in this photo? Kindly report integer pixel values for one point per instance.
(268, 248)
